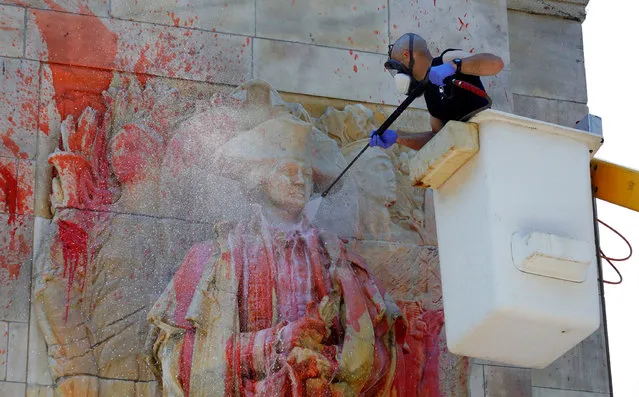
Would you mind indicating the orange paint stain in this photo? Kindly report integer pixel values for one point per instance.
(355, 68)
(68, 41)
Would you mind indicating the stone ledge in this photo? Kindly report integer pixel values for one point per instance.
(574, 10)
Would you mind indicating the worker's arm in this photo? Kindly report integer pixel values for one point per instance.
(417, 140)
(483, 64)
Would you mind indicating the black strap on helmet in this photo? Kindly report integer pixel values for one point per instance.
(393, 65)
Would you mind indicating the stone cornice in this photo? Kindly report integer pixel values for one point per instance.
(572, 9)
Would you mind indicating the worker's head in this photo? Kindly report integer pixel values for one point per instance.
(408, 61)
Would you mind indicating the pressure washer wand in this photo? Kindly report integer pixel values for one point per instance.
(418, 91)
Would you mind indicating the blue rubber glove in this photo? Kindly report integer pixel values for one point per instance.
(386, 140)
(437, 74)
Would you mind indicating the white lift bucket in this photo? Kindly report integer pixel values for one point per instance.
(515, 228)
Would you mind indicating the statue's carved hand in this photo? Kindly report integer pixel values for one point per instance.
(309, 364)
(308, 332)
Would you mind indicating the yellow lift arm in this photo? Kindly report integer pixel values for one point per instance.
(615, 184)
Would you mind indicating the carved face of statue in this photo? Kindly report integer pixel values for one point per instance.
(289, 185)
(379, 182)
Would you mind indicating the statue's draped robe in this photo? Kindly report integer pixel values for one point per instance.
(220, 314)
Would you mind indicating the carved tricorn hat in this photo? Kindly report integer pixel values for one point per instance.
(277, 139)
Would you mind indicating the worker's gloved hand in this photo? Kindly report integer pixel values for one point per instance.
(438, 74)
(386, 140)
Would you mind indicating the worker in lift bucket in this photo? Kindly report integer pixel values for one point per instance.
(410, 63)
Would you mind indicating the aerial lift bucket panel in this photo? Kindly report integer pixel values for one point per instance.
(515, 230)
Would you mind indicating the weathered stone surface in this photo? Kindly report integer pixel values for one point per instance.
(98, 325)
(474, 26)
(331, 72)
(554, 70)
(12, 389)
(4, 343)
(87, 7)
(137, 47)
(12, 28)
(15, 266)
(18, 107)
(571, 9)
(38, 366)
(498, 88)
(218, 16)
(17, 352)
(544, 392)
(40, 391)
(507, 382)
(335, 23)
(26, 186)
(476, 382)
(565, 113)
(583, 368)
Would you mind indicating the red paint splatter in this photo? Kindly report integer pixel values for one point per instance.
(356, 56)
(141, 66)
(394, 26)
(74, 250)
(10, 188)
(176, 20)
(355, 68)
(376, 31)
(11, 145)
(68, 42)
(350, 52)
(248, 40)
(471, 50)
(435, 3)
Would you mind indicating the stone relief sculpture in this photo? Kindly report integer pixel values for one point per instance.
(376, 175)
(274, 306)
(106, 256)
(180, 262)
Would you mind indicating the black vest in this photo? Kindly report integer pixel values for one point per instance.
(457, 102)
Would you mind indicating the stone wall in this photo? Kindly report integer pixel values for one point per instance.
(58, 57)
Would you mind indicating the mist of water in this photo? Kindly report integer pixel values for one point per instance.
(312, 207)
